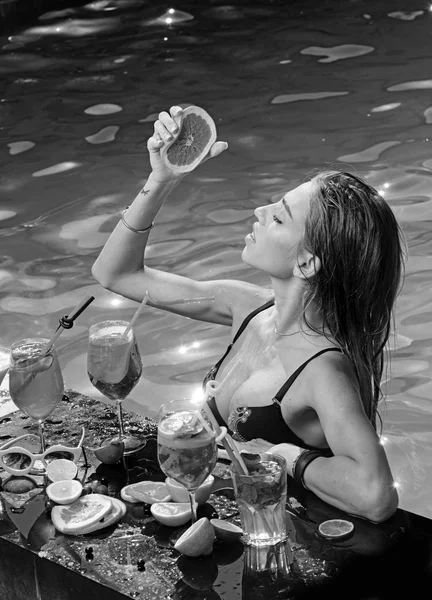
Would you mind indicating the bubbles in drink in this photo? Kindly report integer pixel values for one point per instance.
(113, 361)
(187, 451)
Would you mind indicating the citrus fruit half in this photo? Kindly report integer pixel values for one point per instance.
(61, 469)
(110, 453)
(180, 494)
(172, 514)
(197, 540)
(146, 491)
(336, 528)
(226, 532)
(197, 136)
(65, 491)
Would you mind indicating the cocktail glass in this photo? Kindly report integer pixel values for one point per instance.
(187, 449)
(261, 497)
(4, 362)
(35, 380)
(114, 367)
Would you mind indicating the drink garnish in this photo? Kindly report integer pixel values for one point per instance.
(181, 424)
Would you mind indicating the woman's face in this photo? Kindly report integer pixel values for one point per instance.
(276, 236)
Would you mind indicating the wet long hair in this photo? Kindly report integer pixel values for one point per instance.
(353, 231)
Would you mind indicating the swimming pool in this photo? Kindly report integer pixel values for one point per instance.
(293, 87)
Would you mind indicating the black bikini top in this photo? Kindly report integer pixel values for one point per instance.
(247, 423)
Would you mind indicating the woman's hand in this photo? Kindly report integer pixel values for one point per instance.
(166, 129)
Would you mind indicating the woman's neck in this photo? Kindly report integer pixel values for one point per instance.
(289, 310)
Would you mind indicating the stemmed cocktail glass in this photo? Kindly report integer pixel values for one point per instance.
(187, 449)
(114, 364)
(35, 380)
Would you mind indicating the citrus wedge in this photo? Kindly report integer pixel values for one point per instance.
(336, 529)
(197, 540)
(197, 135)
(61, 469)
(172, 514)
(146, 491)
(65, 491)
(110, 453)
(226, 532)
(180, 494)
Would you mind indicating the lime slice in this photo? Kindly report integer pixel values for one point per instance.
(336, 529)
(197, 135)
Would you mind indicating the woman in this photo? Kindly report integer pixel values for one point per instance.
(303, 372)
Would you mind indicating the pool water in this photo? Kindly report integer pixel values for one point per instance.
(293, 87)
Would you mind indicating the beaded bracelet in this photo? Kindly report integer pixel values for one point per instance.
(302, 461)
(126, 224)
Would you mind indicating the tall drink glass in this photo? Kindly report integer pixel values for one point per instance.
(114, 363)
(261, 498)
(35, 380)
(187, 449)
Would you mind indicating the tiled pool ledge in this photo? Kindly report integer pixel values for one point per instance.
(136, 559)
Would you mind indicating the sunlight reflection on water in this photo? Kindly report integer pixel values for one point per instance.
(284, 115)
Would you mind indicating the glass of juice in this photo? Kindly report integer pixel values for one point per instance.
(114, 365)
(261, 497)
(35, 380)
(187, 449)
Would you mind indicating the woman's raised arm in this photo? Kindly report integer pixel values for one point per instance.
(120, 265)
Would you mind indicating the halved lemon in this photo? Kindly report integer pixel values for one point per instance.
(61, 469)
(336, 528)
(146, 491)
(197, 540)
(172, 514)
(179, 493)
(65, 491)
(225, 531)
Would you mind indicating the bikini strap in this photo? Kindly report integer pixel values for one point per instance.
(240, 330)
(286, 386)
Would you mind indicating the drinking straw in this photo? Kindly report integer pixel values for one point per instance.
(136, 315)
(227, 441)
(66, 322)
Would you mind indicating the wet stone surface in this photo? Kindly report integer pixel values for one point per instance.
(136, 557)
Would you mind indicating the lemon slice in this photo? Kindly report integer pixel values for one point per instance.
(65, 491)
(181, 423)
(172, 514)
(336, 528)
(61, 469)
(197, 540)
(226, 532)
(146, 491)
(179, 493)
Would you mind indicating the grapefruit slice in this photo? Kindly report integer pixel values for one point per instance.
(172, 514)
(146, 491)
(65, 491)
(117, 512)
(197, 540)
(336, 529)
(197, 136)
(84, 512)
(225, 531)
